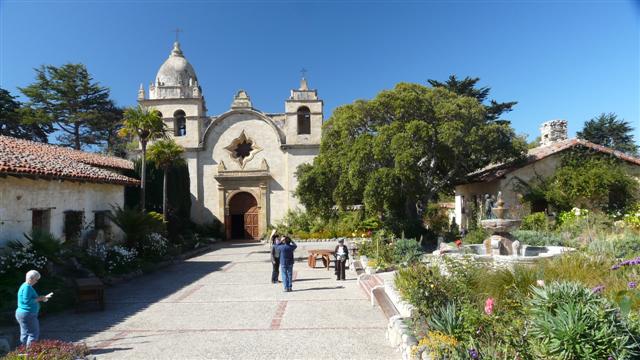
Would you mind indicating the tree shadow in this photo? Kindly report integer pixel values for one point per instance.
(127, 299)
(101, 351)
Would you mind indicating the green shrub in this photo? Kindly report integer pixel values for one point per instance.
(538, 238)
(435, 219)
(476, 236)
(587, 269)
(379, 248)
(406, 251)
(623, 245)
(569, 321)
(447, 320)
(422, 286)
(136, 224)
(537, 222)
(632, 217)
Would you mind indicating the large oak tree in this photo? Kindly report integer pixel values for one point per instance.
(396, 152)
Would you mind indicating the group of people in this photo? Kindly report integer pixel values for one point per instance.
(282, 259)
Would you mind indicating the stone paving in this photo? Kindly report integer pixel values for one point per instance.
(222, 305)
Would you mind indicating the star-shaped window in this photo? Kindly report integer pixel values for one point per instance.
(242, 149)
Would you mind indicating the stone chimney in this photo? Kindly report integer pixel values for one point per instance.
(552, 132)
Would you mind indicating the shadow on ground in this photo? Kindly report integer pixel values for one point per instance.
(127, 299)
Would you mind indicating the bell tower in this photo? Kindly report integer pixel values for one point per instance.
(177, 95)
(304, 113)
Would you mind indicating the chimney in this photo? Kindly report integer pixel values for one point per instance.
(552, 132)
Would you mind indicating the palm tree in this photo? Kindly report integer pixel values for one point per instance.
(165, 153)
(146, 125)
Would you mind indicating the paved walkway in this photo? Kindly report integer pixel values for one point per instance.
(222, 305)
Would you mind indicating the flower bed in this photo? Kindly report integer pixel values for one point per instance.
(50, 349)
(573, 307)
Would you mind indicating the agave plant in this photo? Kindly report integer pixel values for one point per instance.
(570, 321)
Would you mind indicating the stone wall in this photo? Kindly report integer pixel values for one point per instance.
(18, 196)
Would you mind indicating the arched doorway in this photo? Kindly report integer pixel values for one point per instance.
(243, 211)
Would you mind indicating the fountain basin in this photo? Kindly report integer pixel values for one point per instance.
(526, 254)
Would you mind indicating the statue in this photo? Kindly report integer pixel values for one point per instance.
(488, 206)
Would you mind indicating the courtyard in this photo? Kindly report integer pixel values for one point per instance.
(222, 305)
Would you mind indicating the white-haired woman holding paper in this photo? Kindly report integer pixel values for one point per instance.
(28, 308)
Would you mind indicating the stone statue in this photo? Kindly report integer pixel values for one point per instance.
(488, 207)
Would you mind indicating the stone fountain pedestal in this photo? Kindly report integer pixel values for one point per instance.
(501, 242)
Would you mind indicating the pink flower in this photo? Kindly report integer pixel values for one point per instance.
(540, 283)
(488, 306)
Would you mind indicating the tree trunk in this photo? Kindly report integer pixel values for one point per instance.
(164, 195)
(76, 136)
(143, 176)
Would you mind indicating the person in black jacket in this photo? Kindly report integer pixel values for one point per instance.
(342, 255)
(275, 258)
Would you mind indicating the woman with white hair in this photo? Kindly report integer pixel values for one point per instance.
(28, 307)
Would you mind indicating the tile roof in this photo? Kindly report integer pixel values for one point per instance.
(494, 171)
(28, 158)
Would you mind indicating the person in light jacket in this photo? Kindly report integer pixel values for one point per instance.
(342, 255)
(286, 250)
(275, 258)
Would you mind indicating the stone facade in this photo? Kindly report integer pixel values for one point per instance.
(242, 150)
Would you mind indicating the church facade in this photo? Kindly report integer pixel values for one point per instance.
(241, 162)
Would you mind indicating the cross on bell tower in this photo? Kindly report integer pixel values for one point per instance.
(178, 31)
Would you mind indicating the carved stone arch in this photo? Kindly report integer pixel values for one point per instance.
(258, 115)
(247, 218)
(232, 193)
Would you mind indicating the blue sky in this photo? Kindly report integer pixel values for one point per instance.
(569, 59)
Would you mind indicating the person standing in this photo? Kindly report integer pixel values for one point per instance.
(28, 308)
(286, 249)
(275, 258)
(341, 254)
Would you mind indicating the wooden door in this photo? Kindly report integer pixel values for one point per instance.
(243, 209)
(251, 223)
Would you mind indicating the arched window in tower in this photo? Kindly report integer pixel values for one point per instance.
(179, 123)
(304, 120)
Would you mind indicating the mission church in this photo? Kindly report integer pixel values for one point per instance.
(242, 162)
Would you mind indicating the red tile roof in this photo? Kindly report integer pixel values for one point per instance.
(29, 158)
(494, 171)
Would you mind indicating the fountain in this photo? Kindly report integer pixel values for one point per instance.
(501, 241)
(501, 248)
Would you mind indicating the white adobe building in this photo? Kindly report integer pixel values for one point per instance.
(539, 162)
(242, 162)
(65, 192)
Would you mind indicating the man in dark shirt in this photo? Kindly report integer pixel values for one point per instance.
(286, 250)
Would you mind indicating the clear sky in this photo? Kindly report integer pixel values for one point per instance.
(560, 60)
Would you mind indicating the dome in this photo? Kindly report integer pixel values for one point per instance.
(176, 70)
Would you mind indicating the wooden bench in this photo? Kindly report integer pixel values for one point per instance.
(89, 291)
(324, 254)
